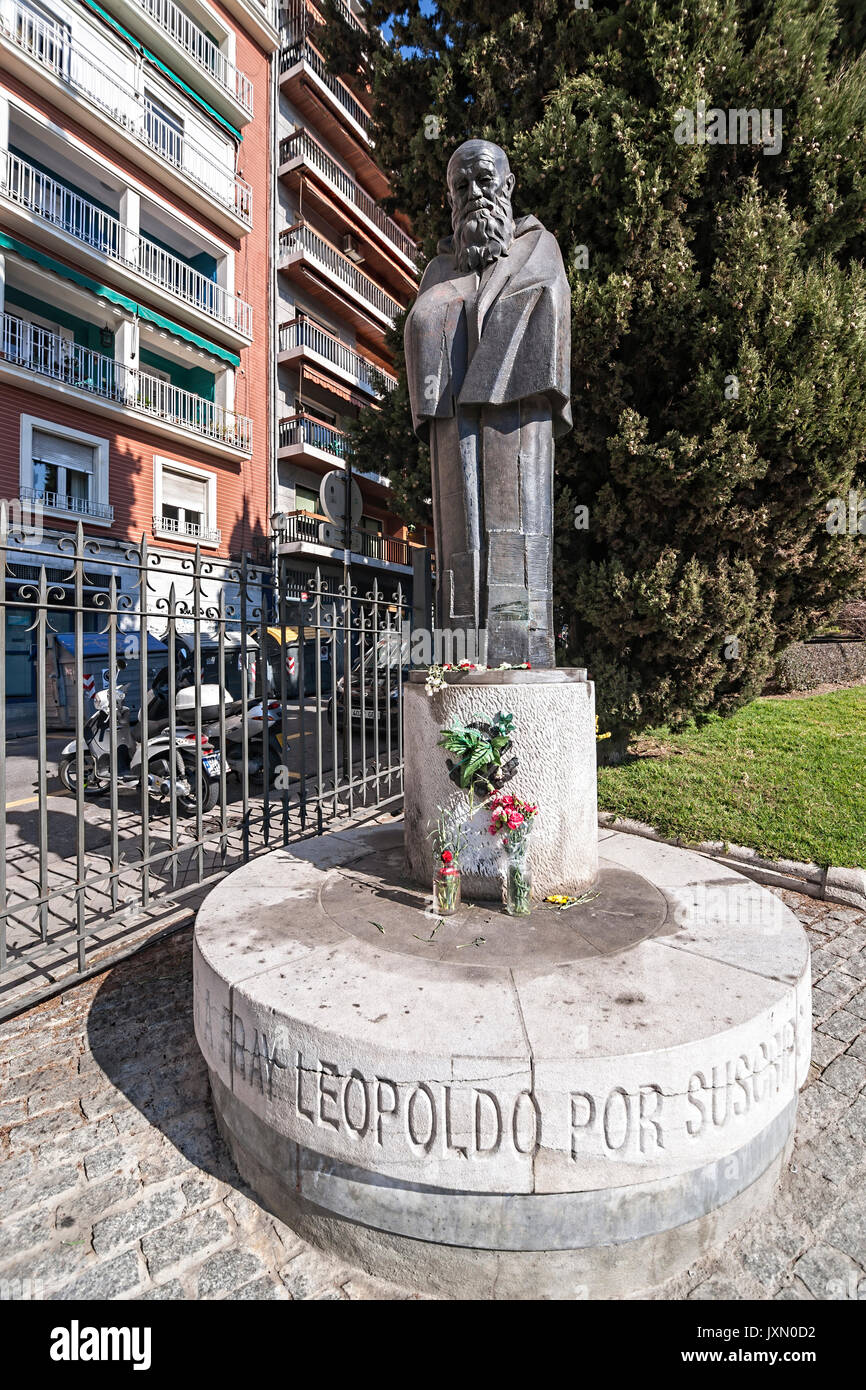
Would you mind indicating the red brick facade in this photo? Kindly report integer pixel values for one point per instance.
(243, 481)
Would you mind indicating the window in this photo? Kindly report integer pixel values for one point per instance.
(371, 525)
(306, 500)
(184, 502)
(64, 469)
(164, 129)
(315, 412)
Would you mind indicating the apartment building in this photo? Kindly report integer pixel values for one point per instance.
(343, 270)
(135, 263)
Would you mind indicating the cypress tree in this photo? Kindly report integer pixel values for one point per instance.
(719, 309)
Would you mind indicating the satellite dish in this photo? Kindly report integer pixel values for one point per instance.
(333, 495)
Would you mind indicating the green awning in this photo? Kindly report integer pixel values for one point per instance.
(157, 62)
(28, 253)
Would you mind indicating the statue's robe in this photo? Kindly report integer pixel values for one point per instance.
(488, 361)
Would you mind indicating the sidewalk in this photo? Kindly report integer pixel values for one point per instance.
(114, 1182)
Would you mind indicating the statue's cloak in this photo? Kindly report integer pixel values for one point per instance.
(495, 342)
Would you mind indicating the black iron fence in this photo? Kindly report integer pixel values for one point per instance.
(187, 713)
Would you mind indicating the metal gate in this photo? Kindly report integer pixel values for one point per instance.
(165, 787)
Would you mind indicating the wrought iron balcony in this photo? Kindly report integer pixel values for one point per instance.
(63, 502)
(305, 528)
(188, 530)
(301, 237)
(202, 50)
(301, 145)
(124, 107)
(49, 354)
(56, 204)
(303, 52)
(300, 333)
(304, 429)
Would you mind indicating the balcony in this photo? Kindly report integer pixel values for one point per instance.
(304, 531)
(299, 152)
(327, 104)
(332, 277)
(300, 339)
(49, 355)
(56, 206)
(300, 18)
(188, 41)
(86, 87)
(63, 502)
(186, 530)
(300, 433)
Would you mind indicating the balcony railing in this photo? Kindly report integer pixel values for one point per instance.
(301, 145)
(304, 52)
(191, 530)
(300, 333)
(203, 51)
(298, 21)
(126, 108)
(304, 429)
(300, 237)
(52, 202)
(51, 355)
(304, 527)
(61, 501)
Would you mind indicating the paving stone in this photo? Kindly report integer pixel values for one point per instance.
(857, 1004)
(226, 1271)
(25, 1234)
(100, 1162)
(838, 983)
(842, 1024)
(36, 1189)
(264, 1288)
(181, 1239)
(825, 1049)
(105, 1279)
(828, 1273)
(847, 1230)
(131, 1225)
(795, 1292)
(716, 1288)
(308, 1272)
(170, 1292)
(847, 1074)
(95, 1199)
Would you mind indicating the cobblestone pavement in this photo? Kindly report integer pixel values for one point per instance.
(114, 1182)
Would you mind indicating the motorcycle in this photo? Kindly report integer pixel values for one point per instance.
(178, 770)
(262, 723)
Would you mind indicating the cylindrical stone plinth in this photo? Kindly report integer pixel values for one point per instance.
(554, 743)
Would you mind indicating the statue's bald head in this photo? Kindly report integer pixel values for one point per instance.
(479, 191)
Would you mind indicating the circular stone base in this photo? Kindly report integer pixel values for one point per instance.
(574, 1105)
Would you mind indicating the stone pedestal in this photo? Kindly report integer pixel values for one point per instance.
(554, 742)
(574, 1105)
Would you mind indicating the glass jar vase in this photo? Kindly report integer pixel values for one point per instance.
(446, 890)
(517, 887)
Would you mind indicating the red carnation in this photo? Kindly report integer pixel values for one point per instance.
(447, 856)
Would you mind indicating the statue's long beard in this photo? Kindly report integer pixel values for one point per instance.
(483, 235)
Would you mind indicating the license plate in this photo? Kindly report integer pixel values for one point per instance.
(212, 765)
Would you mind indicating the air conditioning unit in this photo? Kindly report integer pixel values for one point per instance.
(351, 248)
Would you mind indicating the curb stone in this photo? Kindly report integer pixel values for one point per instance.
(834, 885)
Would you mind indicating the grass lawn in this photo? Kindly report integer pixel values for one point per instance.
(786, 777)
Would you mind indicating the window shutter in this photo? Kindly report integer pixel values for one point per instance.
(180, 491)
(65, 453)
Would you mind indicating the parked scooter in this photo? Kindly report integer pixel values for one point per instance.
(262, 722)
(188, 762)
